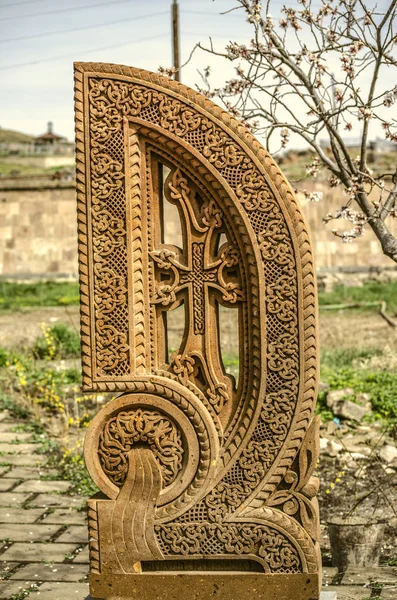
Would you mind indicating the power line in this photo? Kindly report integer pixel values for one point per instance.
(62, 10)
(19, 3)
(39, 35)
(73, 54)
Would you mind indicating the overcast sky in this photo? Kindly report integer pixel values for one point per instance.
(37, 48)
(40, 39)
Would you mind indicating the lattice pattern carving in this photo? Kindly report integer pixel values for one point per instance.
(233, 463)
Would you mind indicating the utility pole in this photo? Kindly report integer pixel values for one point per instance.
(175, 39)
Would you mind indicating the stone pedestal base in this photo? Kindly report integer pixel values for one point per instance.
(203, 586)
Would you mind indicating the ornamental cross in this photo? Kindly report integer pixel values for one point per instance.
(200, 275)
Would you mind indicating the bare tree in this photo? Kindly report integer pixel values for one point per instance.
(320, 73)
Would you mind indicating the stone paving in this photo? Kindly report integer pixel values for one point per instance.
(43, 533)
(43, 530)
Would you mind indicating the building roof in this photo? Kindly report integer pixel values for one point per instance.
(49, 136)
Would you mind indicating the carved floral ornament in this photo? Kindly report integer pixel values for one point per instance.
(230, 461)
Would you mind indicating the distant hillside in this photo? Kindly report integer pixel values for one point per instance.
(9, 136)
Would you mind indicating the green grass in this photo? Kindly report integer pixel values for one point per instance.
(338, 358)
(369, 292)
(340, 368)
(14, 296)
(8, 169)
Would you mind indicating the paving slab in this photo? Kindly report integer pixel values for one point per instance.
(82, 557)
(43, 486)
(7, 426)
(14, 436)
(349, 592)
(4, 471)
(58, 572)
(9, 588)
(389, 593)
(61, 591)
(49, 500)
(37, 532)
(75, 533)
(329, 574)
(360, 576)
(67, 517)
(6, 566)
(18, 448)
(23, 459)
(8, 484)
(29, 472)
(18, 515)
(37, 552)
(12, 498)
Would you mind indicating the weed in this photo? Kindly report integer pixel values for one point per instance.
(380, 385)
(72, 468)
(58, 341)
(15, 410)
(14, 296)
(337, 358)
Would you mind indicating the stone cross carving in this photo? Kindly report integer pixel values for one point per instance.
(205, 480)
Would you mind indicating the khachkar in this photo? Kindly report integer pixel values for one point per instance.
(205, 482)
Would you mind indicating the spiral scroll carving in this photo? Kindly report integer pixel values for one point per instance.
(148, 427)
(252, 492)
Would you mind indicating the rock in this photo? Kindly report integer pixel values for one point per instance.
(332, 427)
(349, 410)
(337, 395)
(357, 456)
(388, 454)
(354, 448)
(363, 398)
(390, 471)
(333, 448)
(323, 443)
(323, 387)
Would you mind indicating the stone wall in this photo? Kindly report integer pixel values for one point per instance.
(38, 232)
(330, 251)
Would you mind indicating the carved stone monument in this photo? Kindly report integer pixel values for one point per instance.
(205, 479)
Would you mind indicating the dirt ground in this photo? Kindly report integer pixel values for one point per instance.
(337, 330)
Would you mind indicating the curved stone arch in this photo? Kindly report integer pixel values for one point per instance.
(254, 187)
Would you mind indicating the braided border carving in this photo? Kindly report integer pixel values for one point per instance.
(261, 476)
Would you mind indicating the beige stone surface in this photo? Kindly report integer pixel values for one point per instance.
(11, 436)
(200, 586)
(37, 552)
(34, 241)
(61, 591)
(82, 557)
(9, 588)
(52, 500)
(23, 459)
(18, 448)
(18, 515)
(12, 498)
(75, 533)
(29, 473)
(58, 572)
(43, 486)
(8, 484)
(37, 532)
(67, 517)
